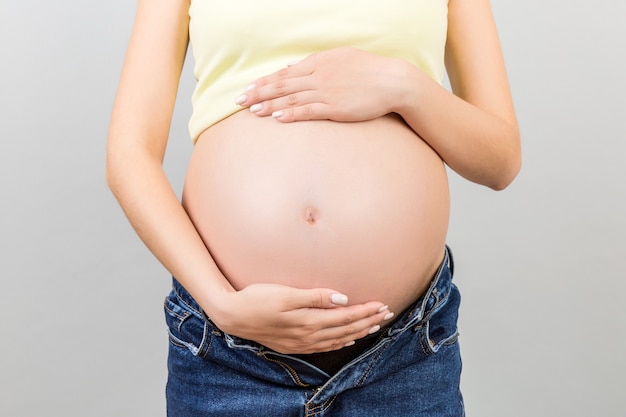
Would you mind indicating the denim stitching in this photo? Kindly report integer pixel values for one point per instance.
(421, 338)
(179, 322)
(312, 410)
(451, 340)
(207, 341)
(176, 341)
(328, 403)
(309, 409)
(204, 346)
(430, 347)
(373, 361)
(192, 309)
(174, 313)
(440, 299)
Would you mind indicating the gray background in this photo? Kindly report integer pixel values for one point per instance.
(541, 265)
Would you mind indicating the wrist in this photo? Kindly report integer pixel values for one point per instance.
(216, 301)
(409, 79)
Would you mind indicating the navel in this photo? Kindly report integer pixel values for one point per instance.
(311, 215)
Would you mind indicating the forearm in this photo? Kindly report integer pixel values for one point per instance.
(144, 193)
(478, 145)
(136, 145)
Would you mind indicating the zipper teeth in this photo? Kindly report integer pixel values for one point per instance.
(292, 371)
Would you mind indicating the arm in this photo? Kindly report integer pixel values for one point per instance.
(474, 130)
(283, 318)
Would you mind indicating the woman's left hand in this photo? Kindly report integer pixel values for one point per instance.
(343, 84)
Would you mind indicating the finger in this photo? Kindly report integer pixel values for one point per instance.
(320, 298)
(309, 111)
(297, 99)
(333, 338)
(257, 94)
(353, 319)
(276, 90)
(350, 331)
(294, 69)
(340, 321)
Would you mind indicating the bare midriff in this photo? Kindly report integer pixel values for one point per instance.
(361, 208)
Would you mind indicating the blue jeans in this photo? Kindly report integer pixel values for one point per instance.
(412, 369)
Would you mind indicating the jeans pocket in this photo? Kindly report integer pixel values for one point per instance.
(186, 327)
(441, 327)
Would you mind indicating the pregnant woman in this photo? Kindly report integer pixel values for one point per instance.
(311, 271)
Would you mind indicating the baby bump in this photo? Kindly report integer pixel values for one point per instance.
(358, 207)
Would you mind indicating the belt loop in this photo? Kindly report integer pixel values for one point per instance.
(450, 259)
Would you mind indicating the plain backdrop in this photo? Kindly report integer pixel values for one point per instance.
(541, 264)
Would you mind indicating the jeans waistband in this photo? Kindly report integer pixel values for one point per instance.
(409, 321)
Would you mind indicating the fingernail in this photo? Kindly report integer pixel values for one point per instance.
(241, 99)
(374, 329)
(277, 113)
(294, 62)
(250, 87)
(383, 308)
(256, 107)
(388, 316)
(339, 299)
(349, 344)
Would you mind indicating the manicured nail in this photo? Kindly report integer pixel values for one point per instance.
(277, 113)
(241, 99)
(349, 344)
(388, 316)
(339, 299)
(374, 329)
(383, 308)
(256, 107)
(250, 87)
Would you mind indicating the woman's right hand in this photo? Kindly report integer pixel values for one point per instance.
(295, 321)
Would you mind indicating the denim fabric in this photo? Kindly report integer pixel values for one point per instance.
(412, 370)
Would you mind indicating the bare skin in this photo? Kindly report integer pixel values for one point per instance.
(474, 131)
(359, 207)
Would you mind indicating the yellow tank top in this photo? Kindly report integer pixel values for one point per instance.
(236, 41)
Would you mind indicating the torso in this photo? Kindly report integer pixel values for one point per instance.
(361, 208)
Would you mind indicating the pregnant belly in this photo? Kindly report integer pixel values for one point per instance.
(361, 208)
